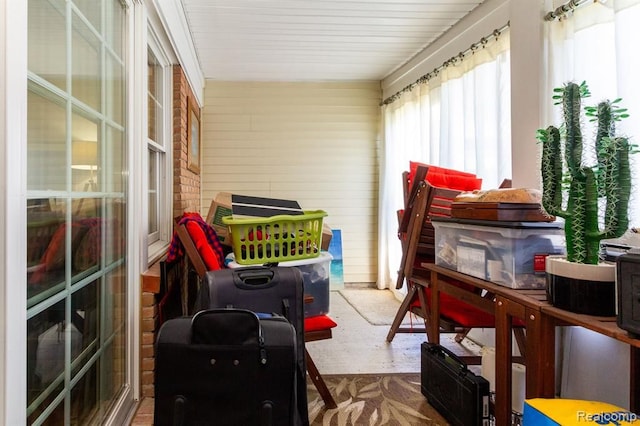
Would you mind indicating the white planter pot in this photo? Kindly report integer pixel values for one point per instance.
(581, 288)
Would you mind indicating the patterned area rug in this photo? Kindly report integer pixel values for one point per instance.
(373, 399)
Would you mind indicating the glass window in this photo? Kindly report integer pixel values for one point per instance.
(76, 222)
(591, 45)
(158, 138)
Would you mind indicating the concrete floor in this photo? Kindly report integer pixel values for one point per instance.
(357, 347)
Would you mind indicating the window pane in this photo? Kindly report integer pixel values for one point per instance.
(114, 30)
(155, 74)
(115, 230)
(86, 244)
(46, 142)
(115, 305)
(85, 64)
(55, 418)
(85, 316)
(47, 35)
(90, 9)
(113, 368)
(116, 160)
(114, 96)
(46, 248)
(84, 398)
(153, 192)
(46, 337)
(85, 151)
(115, 315)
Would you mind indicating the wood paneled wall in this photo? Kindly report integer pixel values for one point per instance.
(316, 143)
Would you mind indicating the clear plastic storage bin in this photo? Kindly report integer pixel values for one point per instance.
(511, 254)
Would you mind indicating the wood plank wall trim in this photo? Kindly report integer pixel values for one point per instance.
(316, 143)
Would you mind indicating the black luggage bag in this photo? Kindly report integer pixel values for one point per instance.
(225, 367)
(270, 289)
(461, 396)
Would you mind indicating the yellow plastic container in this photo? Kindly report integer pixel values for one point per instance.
(280, 238)
(567, 412)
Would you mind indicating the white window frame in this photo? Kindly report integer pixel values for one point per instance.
(13, 223)
(157, 242)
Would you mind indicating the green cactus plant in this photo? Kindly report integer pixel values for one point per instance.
(572, 190)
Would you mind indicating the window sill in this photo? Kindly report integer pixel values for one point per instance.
(151, 278)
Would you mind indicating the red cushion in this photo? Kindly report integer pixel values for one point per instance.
(202, 244)
(452, 181)
(463, 313)
(54, 256)
(320, 322)
(446, 178)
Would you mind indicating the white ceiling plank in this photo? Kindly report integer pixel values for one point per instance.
(321, 40)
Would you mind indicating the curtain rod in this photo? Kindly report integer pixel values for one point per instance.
(561, 12)
(451, 61)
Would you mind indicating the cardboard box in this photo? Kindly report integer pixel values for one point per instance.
(511, 254)
(219, 208)
(327, 234)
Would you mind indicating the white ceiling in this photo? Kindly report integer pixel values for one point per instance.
(315, 40)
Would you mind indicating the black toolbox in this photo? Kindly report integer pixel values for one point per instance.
(461, 396)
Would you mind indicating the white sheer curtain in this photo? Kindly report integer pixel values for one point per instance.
(597, 44)
(406, 132)
(460, 119)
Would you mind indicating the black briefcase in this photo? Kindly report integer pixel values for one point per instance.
(461, 396)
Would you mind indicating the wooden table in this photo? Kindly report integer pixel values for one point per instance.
(606, 326)
(540, 319)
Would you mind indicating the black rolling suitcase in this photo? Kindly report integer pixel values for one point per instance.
(461, 396)
(225, 367)
(271, 289)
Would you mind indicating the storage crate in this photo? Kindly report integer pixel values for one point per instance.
(278, 238)
(512, 254)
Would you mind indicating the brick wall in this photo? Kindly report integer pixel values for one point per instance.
(186, 197)
(149, 307)
(186, 183)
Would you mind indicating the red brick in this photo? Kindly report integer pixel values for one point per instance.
(147, 351)
(148, 338)
(148, 299)
(148, 391)
(148, 364)
(149, 311)
(147, 378)
(148, 324)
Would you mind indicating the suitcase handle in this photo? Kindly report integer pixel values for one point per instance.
(256, 277)
(228, 326)
(444, 353)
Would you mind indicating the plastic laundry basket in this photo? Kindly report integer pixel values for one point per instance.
(280, 238)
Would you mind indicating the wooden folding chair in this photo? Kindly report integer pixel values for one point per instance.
(316, 328)
(418, 244)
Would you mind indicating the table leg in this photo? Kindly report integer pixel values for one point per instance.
(503, 363)
(540, 358)
(634, 388)
(434, 309)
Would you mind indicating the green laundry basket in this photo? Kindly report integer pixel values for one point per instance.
(281, 238)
